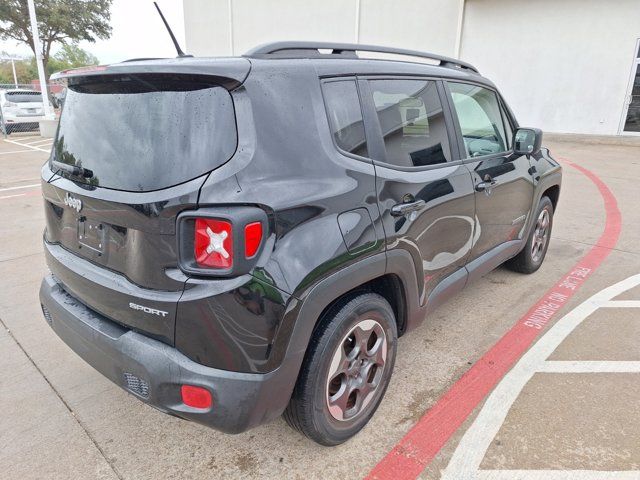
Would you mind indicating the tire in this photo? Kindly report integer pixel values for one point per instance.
(345, 367)
(534, 251)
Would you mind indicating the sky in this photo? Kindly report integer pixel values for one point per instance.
(137, 32)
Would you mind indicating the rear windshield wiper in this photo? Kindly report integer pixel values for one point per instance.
(72, 169)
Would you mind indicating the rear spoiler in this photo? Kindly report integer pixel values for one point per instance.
(228, 72)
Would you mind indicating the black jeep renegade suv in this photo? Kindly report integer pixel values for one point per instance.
(234, 238)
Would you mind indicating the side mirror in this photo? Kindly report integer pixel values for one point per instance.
(527, 141)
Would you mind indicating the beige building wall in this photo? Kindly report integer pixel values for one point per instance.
(213, 28)
(207, 27)
(563, 65)
(427, 25)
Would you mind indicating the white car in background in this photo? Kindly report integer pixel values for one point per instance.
(22, 109)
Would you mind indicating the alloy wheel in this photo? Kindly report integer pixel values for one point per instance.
(356, 370)
(540, 235)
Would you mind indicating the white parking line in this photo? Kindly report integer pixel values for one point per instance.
(621, 304)
(555, 475)
(466, 459)
(41, 140)
(11, 196)
(18, 188)
(590, 367)
(26, 145)
(17, 151)
(39, 145)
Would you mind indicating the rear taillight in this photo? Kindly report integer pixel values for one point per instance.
(252, 239)
(213, 243)
(221, 241)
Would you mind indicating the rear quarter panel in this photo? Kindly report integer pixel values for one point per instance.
(287, 164)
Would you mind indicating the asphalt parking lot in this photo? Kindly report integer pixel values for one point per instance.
(541, 373)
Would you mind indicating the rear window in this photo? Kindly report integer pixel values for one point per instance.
(23, 97)
(345, 116)
(145, 132)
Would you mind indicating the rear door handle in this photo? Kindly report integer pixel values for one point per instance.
(486, 184)
(405, 208)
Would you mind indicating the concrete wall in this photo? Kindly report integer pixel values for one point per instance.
(563, 65)
(207, 27)
(428, 25)
(421, 24)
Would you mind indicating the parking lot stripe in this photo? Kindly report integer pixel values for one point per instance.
(420, 445)
(556, 475)
(41, 140)
(28, 146)
(12, 196)
(590, 366)
(622, 304)
(18, 151)
(20, 187)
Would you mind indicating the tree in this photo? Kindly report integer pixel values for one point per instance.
(59, 21)
(6, 71)
(69, 56)
(72, 56)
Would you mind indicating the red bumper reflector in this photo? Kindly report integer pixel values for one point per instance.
(196, 397)
(252, 238)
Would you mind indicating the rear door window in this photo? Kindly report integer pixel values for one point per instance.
(412, 122)
(145, 132)
(480, 119)
(345, 116)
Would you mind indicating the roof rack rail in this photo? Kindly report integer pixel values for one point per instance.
(312, 49)
(141, 59)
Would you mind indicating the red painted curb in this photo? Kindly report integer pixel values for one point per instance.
(425, 439)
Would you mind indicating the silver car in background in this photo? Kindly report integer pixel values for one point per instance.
(21, 109)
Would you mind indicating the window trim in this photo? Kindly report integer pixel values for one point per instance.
(505, 122)
(507, 116)
(371, 117)
(458, 129)
(354, 79)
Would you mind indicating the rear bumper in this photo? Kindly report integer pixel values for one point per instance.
(154, 371)
(24, 118)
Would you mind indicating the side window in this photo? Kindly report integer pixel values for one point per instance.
(412, 122)
(480, 119)
(345, 116)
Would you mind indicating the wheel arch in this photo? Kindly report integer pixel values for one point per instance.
(553, 193)
(548, 185)
(389, 286)
(376, 273)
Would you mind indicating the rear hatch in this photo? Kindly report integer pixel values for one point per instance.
(131, 152)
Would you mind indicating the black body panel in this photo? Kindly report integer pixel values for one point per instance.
(113, 296)
(133, 258)
(138, 228)
(230, 324)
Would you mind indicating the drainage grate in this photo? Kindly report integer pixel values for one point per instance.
(136, 385)
(47, 315)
